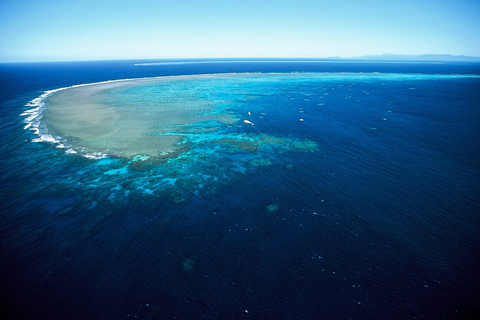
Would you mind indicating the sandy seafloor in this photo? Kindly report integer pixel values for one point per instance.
(346, 191)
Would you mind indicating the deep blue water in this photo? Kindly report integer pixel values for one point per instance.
(381, 222)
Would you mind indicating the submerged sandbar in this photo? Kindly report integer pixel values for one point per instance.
(131, 117)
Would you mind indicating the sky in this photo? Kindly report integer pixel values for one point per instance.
(61, 30)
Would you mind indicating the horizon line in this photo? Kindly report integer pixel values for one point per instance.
(385, 57)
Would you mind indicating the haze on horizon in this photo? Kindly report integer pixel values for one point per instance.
(58, 30)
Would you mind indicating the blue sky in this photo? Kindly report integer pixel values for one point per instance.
(59, 30)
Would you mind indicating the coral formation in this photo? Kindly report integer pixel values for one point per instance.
(272, 208)
(188, 264)
(260, 162)
(305, 145)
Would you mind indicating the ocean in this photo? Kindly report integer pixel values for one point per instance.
(240, 189)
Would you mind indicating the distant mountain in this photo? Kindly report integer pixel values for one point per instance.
(423, 57)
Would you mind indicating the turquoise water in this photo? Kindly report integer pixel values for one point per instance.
(194, 133)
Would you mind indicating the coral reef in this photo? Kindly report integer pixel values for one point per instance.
(260, 162)
(305, 145)
(272, 208)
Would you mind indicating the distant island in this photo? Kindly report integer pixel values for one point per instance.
(423, 57)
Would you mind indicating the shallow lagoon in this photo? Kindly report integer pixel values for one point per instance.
(126, 118)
